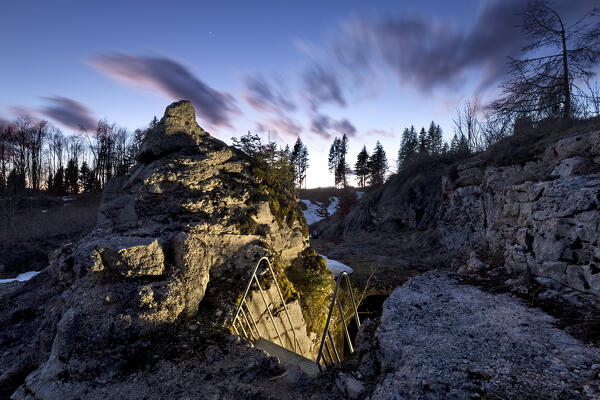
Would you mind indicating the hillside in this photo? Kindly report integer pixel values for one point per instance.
(521, 217)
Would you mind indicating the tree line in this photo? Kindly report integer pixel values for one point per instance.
(39, 156)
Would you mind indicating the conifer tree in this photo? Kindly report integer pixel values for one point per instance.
(362, 167)
(71, 177)
(59, 182)
(337, 160)
(299, 161)
(378, 166)
(423, 142)
(408, 146)
(435, 139)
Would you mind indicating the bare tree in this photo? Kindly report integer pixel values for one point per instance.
(38, 134)
(560, 57)
(467, 125)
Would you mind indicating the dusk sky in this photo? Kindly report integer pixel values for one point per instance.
(308, 69)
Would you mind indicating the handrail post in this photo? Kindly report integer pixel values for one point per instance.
(353, 302)
(323, 338)
(341, 309)
(326, 332)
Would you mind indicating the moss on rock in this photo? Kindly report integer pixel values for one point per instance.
(315, 284)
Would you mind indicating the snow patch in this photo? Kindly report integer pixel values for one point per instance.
(312, 207)
(333, 203)
(25, 276)
(336, 267)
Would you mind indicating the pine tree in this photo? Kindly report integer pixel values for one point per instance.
(378, 165)
(71, 177)
(153, 123)
(423, 142)
(459, 144)
(435, 138)
(303, 166)
(362, 167)
(337, 160)
(59, 181)
(299, 160)
(408, 147)
(86, 177)
(133, 150)
(295, 161)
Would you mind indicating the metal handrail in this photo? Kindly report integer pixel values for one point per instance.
(326, 332)
(237, 319)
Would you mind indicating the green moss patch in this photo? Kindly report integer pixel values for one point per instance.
(314, 284)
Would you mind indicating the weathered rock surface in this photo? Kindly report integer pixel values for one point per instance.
(440, 339)
(543, 216)
(176, 240)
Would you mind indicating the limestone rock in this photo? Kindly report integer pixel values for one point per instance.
(439, 339)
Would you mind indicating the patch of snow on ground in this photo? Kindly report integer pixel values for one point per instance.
(25, 276)
(312, 207)
(333, 203)
(310, 213)
(336, 267)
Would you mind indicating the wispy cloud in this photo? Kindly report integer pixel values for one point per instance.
(324, 126)
(172, 79)
(70, 113)
(428, 53)
(265, 96)
(322, 86)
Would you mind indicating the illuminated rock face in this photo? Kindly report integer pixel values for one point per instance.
(184, 228)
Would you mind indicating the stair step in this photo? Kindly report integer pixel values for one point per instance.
(287, 357)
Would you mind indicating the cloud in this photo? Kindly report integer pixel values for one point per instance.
(263, 96)
(281, 126)
(173, 80)
(70, 113)
(323, 125)
(428, 53)
(322, 86)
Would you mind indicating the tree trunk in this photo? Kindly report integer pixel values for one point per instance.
(566, 87)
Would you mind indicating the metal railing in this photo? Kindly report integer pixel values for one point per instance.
(327, 333)
(245, 320)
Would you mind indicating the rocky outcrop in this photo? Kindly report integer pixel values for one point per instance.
(534, 209)
(542, 216)
(176, 240)
(441, 339)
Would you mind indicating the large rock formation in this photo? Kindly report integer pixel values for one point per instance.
(176, 240)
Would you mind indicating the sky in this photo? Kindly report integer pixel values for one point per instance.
(283, 69)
